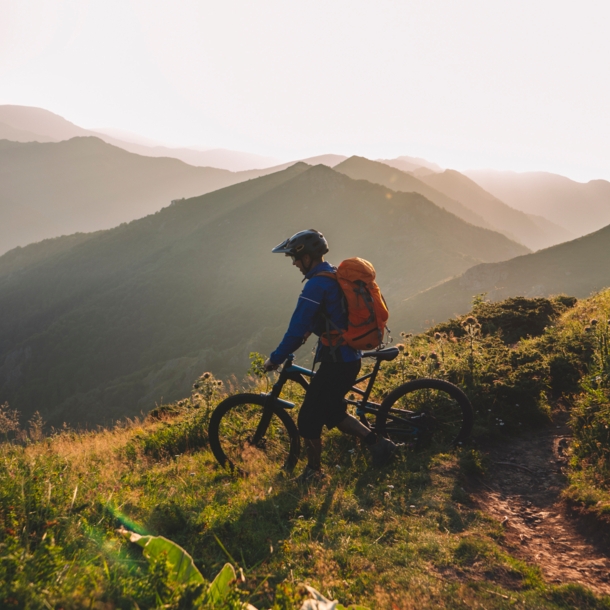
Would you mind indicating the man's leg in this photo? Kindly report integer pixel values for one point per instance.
(353, 426)
(314, 452)
(311, 420)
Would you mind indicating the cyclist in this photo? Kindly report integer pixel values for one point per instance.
(321, 299)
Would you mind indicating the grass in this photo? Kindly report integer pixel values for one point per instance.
(404, 536)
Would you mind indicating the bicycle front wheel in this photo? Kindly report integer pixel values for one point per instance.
(426, 410)
(248, 437)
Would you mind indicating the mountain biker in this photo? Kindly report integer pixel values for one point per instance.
(321, 298)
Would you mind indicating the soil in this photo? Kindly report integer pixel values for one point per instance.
(522, 490)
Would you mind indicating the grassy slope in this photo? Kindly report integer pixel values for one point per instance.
(111, 325)
(405, 536)
(578, 267)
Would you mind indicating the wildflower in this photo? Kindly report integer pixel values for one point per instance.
(433, 355)
(401, 347)
(587, 329)
(206, 375)
(469, 321)
(593, 322)
(422, 357)
(438, 336)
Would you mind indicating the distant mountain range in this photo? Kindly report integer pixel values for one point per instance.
(100, 326)
(580, 207)
(576, 268)
(30, 124)
(84, 184)
(461, 196)
(413, 164)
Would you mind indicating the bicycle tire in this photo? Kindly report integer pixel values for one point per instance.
(232, 426)
(445, 413)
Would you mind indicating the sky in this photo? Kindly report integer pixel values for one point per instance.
(520, 85)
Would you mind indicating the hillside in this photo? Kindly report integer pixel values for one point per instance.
(85, 184)
(107, 327)
(27, 124)
(535, 234)
(484, 526)
(579, 207)
(360, 168)
(578, 268)
(461, 196)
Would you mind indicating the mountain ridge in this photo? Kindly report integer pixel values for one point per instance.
(580, 207)
(496, 212)
(86, 184)
(104, 328)
(52, 127)
(578, 268)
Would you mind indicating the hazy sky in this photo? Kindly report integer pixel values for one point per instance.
(466, 83)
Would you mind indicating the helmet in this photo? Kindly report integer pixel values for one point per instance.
(310, 242)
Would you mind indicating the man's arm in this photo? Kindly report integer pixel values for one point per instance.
(301, 323)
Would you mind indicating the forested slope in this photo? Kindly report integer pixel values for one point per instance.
(110, 325)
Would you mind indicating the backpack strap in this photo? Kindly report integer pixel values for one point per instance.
(334, 345)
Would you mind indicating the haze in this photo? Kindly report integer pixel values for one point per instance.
(472, 84)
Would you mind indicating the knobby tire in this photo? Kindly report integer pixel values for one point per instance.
(233, 425)
(445, 412)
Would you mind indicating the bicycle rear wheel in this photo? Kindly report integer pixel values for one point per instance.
(426, 410)
(242, 441)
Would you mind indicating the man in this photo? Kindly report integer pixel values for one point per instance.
(319, 308)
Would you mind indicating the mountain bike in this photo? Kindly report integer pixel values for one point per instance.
(251, 432)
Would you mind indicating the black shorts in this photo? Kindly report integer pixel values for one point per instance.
(323, 404)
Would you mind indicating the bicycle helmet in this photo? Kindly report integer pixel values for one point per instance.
(310, 242)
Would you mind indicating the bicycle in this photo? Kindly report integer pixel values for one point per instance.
(248, 432)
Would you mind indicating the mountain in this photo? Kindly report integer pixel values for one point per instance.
(580, 207)
(578, 268)
(360, 168)
(512, 222)
(21, 135)
(44, 126)
(412, 164)
(328, 160)
(85, 184)
(110, 324)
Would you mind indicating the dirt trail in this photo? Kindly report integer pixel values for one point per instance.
(523, 491)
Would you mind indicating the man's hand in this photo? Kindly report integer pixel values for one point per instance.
(269, 366)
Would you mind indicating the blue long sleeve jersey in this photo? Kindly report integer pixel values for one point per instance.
(321, 295)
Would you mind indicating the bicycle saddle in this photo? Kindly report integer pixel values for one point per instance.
(389, 353)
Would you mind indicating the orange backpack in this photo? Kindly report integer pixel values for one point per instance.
(367, 312)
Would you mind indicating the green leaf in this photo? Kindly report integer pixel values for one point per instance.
(182, 568)
(221, 585)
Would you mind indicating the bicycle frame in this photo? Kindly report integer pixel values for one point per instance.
(293, 372)
(298, 374)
